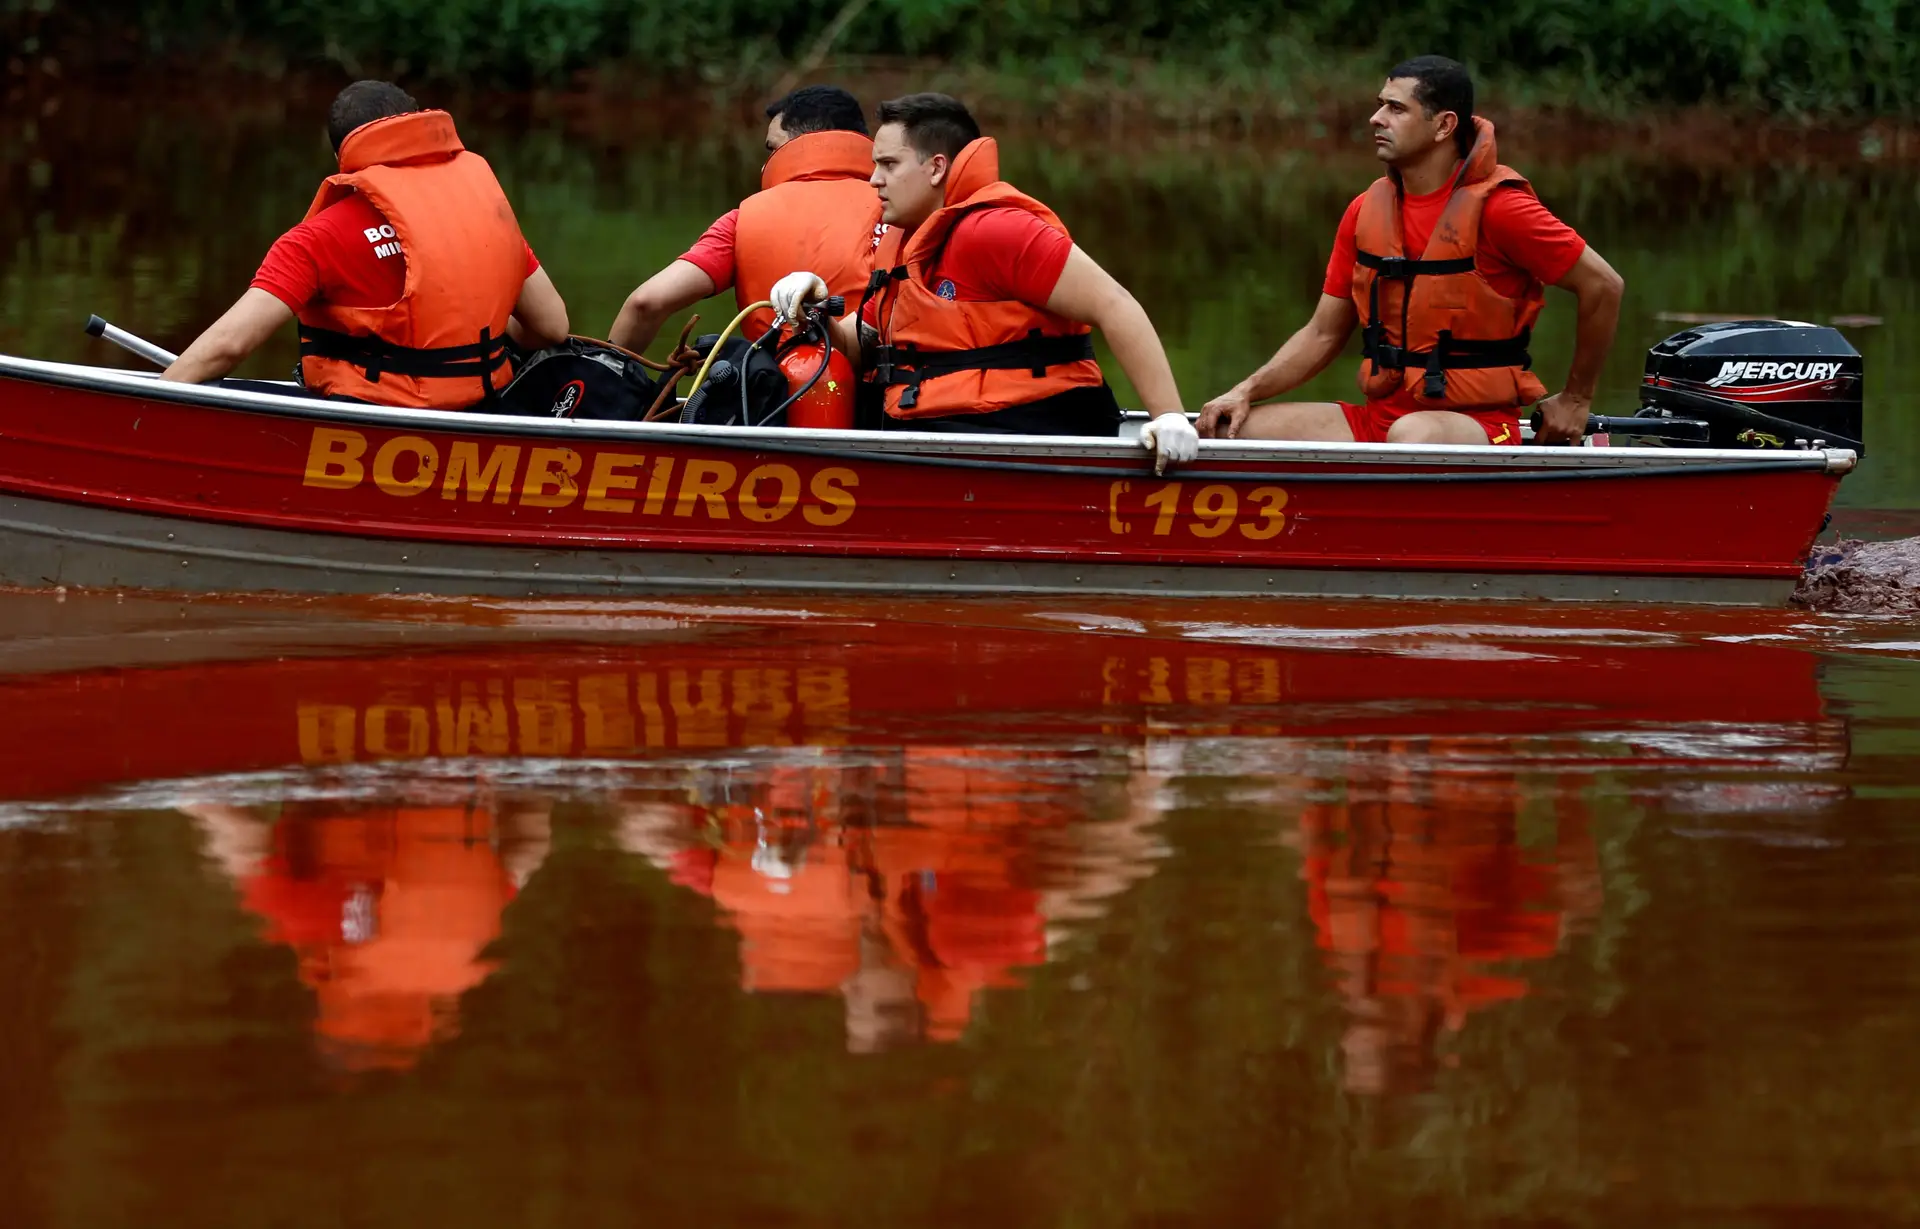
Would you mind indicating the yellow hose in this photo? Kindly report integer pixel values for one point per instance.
(724, 334)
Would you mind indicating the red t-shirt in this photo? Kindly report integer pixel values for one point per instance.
(344, 255)
(1520, 241)
(998, 256)
(713, 251)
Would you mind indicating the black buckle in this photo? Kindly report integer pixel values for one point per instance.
(1434, 387)
(1401, 268)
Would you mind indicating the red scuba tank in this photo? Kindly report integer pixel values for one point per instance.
(829, 402)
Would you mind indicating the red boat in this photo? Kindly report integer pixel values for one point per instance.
(114, 479)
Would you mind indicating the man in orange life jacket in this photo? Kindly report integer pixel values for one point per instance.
(814, 208)
(1443, 260)
(408, 275)
(977, 317)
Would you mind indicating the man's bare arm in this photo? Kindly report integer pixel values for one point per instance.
(1088, 294)
(675, 288)
(242, 330)
(1563, 416)
(1305, 355)
(539, 316)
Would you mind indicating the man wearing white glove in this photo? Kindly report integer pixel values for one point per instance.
(980, 312)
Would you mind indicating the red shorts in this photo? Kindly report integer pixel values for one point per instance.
(1370, 423)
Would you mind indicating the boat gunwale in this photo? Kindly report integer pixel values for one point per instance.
(907, 446)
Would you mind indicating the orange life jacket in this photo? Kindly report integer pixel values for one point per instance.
(1434, 325)
(815, 210)
(939, 356)
(443, 343)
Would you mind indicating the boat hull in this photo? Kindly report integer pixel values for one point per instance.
(44, 544)
(108, 479)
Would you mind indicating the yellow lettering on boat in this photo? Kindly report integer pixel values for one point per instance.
(834, 489)
(333, 459)
(542, 474)
(708, 481)
(657, 483)
(426, 465)
(464, 471)
(785, 477)
(608, 476)
(1271, 500)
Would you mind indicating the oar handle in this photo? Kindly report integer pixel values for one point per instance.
(96, 327)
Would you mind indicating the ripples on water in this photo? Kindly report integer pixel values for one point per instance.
(937, 913)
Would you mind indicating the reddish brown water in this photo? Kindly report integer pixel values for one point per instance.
(411, 913)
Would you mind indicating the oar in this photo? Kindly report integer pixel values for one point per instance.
(96, 327)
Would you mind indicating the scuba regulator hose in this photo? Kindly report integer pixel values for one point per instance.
(725, 333)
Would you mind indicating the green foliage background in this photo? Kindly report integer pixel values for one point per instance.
(1817, 56)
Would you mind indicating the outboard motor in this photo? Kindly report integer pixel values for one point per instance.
(1757, 384)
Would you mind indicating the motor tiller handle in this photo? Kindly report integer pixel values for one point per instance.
(1684, 430)
(96, 327)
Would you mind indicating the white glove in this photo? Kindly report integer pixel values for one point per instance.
(1171, 439)
(795, 289)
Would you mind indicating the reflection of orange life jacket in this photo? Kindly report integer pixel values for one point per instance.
(961, 905)
(938, 356)
(1434, 325)
(816, 211)
(389, 912)
(442, 344)
(1431, 890)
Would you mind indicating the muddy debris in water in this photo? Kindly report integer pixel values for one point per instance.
(1855, 577)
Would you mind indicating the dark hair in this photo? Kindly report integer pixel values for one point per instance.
(362, 103)
(935, 123)
(819, 108)
(1441, 85)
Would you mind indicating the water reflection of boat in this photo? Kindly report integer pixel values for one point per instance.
(809, 683)
(907, 817)
(174, 487)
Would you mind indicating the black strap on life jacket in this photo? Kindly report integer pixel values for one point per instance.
(377, 357)
(1449, 353)
(908, 364)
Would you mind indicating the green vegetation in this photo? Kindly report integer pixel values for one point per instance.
(1792, 56)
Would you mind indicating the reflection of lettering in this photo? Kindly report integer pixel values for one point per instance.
(597, 714)
(473, 727)
(1204, 680)
(407, 465)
